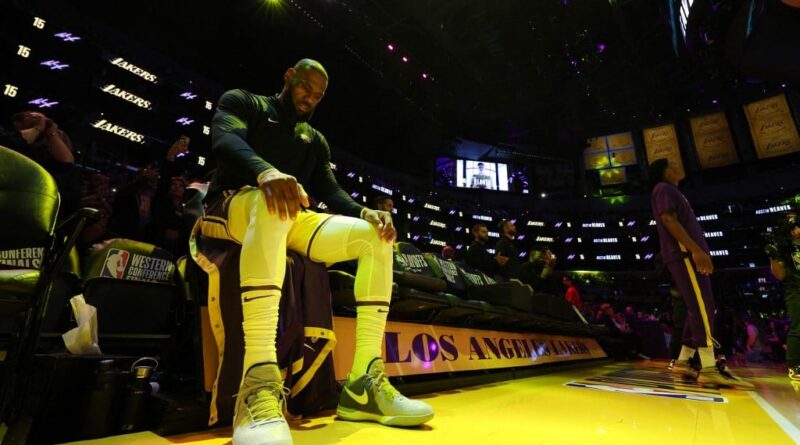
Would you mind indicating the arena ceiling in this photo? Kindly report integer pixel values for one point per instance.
(536, 75)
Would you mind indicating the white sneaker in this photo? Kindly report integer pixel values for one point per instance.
(258, 417)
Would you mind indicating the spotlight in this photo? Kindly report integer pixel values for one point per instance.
(390, 47)
(405, 59)
(544, 195)
(424, 75)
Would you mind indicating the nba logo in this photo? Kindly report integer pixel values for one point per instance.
(116, 261)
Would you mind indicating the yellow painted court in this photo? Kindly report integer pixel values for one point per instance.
(628, 403)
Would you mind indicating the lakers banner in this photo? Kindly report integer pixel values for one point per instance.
(411, 348)
(621, 158)
(713, 141)
(615, 150)
(596, 145)
(611, 176)
(620, 141)
(772, 127)
(662, 142)
(596, 161)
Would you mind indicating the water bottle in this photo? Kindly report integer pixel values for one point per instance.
(137, 396)
(101, 407)
(133, 410)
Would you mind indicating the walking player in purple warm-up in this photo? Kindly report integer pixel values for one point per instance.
(686, 255)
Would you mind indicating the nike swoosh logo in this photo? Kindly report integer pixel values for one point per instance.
(246, 299)
(383, 312)
(273, 120)
(362, 399)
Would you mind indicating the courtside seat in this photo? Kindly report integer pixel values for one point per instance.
(482, 287)
(419, 294)
(406, 303)
(411, 269)
(35, 250)
(58, 317)
(460, 310)
(489, 317)
(133, 285)
(447, 271)
(342, 285)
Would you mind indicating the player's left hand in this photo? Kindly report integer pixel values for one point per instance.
(383, 220)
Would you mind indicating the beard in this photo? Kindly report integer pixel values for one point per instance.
(301, 117)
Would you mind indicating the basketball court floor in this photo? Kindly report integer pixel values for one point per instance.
(620, 403)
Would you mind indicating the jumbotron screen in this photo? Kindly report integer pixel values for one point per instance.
(483, 175)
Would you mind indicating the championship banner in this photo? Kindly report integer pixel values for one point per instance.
(615, 150)
(662, 142)
(412, 348)
(620, 141)
(611, 176)
(596, 145)
(596, 161)
(772, 127)
(621, 158)
(713, 141)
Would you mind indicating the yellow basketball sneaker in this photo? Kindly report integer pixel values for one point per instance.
(371, 397)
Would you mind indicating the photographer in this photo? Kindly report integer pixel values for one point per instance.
(784, 255)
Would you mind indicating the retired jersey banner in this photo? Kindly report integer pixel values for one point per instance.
(413, 348)
(772, 127)
(662, 142)
(713, 141)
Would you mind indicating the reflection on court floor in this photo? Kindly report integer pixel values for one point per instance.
(649, 381)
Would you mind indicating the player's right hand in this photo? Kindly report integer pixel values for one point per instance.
(284, 196)
(703, 262)
(501, 260)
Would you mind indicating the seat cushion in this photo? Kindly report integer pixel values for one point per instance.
(18, 281)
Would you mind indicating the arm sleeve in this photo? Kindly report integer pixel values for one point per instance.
(325, 187)
(235, 111)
